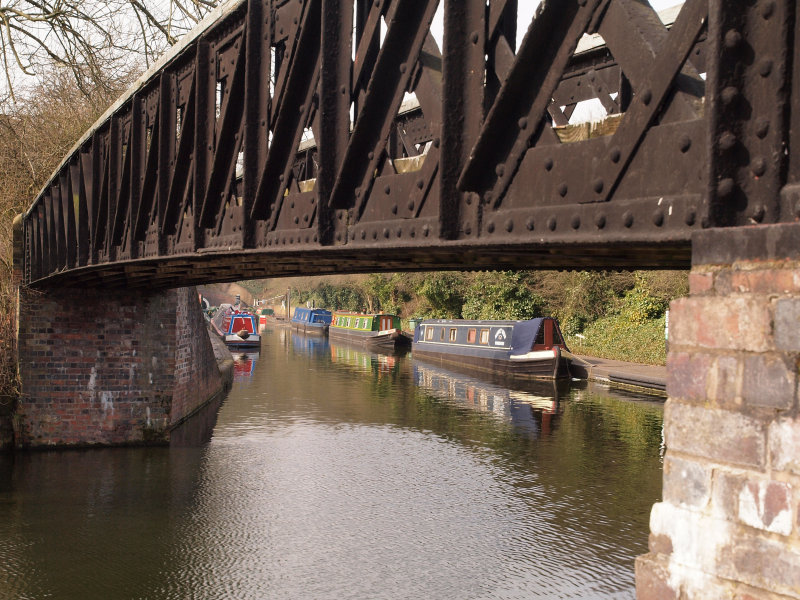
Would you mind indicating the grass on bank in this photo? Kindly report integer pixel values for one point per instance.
(618, 338)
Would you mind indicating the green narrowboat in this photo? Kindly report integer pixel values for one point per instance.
(372, 330)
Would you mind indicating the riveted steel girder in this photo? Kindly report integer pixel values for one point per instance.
(311, 136)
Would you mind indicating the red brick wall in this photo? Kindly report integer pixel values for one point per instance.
(103, 367)
(729, 522)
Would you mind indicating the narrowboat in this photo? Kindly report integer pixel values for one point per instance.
(371, 330)
(532, 349)
(313, 321)
(238, 328)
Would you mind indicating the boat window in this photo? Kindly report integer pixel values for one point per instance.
(453, 334)
(471, 336)
(441, 334)
(429, 333)
(557, 339)
(540, 335)
(484, 336)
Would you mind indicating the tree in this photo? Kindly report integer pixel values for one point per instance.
(94, 40)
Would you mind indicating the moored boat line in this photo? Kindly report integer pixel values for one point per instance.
(314, 321)
(379, 330)
(531, 349)
(237, 327)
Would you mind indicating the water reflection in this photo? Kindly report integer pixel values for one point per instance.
(534, 408)
(243, 364)
(337, 473)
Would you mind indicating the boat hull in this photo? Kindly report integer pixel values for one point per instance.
(310, 328)
(553, 366)
(384, 340)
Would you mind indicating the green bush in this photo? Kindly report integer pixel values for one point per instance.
(501, 295)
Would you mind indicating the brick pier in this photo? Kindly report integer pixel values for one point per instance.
(103, 367)
(729, 522)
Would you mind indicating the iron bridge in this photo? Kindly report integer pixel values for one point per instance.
(317, 136)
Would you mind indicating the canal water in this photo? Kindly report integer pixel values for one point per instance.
(330, 472)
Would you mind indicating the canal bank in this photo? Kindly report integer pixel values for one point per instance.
(624, 374)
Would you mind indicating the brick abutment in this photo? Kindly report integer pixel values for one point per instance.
(728, 525)
(101, 367)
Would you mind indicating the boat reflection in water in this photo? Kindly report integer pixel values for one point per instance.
(243, 364)
(534, 406)
(363, 360)
(313, 345)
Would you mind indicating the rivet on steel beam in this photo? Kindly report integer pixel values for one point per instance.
(352, 235)
(343, 89)
(436, 142)
(488, 197)
(685, 143)
(489, 227)
(306, 239)
(426, 230)
(340, 216)
(732, 38)
(371, 155)
(394, 209)
(647, 96)
(691, 217)
(280, 177)
(725, 187)
(658, 218)
(581, 2)
(411, 205)
(765, 67)
(548, 164)
(529, 224)
(305, 218)
(575, 223)
(291, 240)
(562, 189)
(385, 232)
(762, 127)
(403, 68)
(522, 123)
(509, 225)
(358, 195)
(338, 237)
(413, 233)
(727, 140)
(758, 213)
(600, 220)
(314, 239)
(468, 229)
(363, 234)
(420, 183)
(387, 190)
(500, 170)
(729, 94)
(291, 204)
(296, 220)
(767, 9)
(627, 218)
(797, 208)
(399, 232)
(597, 185)
(758, 166)
(474, 37)
(551, 223)
(615, 155)
(374, 235)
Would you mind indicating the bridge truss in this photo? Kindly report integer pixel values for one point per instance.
(429, 155)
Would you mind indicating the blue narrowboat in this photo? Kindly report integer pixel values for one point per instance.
(237, 328)
(532, 349)
(313, 321)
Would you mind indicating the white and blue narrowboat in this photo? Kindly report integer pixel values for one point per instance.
(313, 321)
(237, 328)
(532, 349)
(379, 331)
